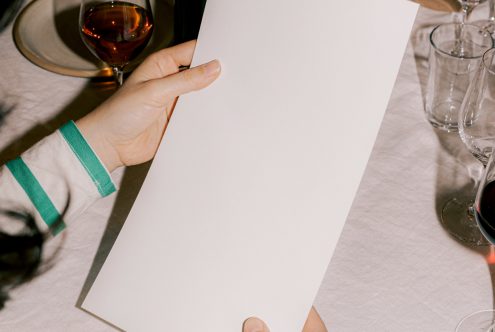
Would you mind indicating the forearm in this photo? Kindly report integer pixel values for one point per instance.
(93, 134)
(58, 177)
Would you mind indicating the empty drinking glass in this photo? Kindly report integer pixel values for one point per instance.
(455, 54)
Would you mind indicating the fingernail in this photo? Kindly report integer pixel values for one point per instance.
(254, 325)
(212, 68)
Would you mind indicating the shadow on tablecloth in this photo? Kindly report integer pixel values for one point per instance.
(456, 170)
(93, 94)
(456, 166)
(420, 43)
(131, 184)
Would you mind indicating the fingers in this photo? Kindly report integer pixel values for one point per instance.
(163, 63)
(254, 324)
(186, 81)
(183, 53)
(314, 322)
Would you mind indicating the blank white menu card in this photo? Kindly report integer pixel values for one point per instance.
(246, 198)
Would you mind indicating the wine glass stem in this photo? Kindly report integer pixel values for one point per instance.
(119, 75)
(461, 20)
(491, 8)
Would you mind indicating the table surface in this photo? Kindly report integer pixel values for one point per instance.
(395, 267)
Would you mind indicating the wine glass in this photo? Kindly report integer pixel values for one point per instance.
(482, 320)
(477, 128)
(477, 113)
(476, 125)
(485, 202)
(116, 31)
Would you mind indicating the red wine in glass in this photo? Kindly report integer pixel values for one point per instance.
(116, 31)
(483, 320)
(485, 211)
(485, 201)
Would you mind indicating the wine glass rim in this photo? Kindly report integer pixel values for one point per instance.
(471, 315)
(466, 25)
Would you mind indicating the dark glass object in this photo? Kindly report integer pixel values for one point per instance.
(8, 10)
(187, 20)
(20, 253)
(485, 211)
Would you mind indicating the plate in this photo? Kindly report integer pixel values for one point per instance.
(46, 32)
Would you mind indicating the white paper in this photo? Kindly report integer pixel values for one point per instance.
(247, 196)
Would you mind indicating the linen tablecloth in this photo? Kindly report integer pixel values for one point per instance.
(395, 267)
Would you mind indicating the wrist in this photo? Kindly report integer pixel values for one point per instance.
(95, 137)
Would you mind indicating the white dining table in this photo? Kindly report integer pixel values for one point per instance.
(396, 268)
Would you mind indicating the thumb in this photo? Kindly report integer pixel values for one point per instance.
(187, 80)
(254, 324)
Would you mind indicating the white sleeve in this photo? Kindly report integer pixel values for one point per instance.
(56, 179)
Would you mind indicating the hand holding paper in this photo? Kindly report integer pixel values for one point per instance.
(113, 115)
(249, 191)
(127, 128)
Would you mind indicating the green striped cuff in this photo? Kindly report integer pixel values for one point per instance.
(36, 194)
(96, 171)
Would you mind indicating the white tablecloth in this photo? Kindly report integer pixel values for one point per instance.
(395, 267)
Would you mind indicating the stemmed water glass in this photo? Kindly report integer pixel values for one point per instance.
(477, 130)
(477, 113)
(116, 31)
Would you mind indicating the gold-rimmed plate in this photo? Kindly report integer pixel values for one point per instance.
(46, 32)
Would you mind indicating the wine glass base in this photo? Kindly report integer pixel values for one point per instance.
(482, 321)
(458, 219)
